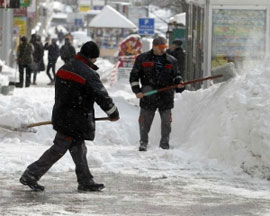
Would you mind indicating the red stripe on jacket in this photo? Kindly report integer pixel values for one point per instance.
(148, 64)
(64, 74)
(168, 66)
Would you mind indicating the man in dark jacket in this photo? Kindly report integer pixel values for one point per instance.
(77, 88)
(53, 54)
(25, 61)
(67, 51)
(177, 52)
(153, 70)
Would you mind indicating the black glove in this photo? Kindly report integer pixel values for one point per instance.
(177, 81)
(114, 116)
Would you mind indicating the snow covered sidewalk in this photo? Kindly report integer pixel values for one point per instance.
(188, 194)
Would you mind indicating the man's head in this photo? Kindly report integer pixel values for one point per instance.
(91, 50)
(24, 39)
(159, 45)
(177, 43)
(54, 40)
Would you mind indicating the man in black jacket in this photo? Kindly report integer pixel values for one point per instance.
(178, 52)
(77, 88)
(153, 70)
(67, 51)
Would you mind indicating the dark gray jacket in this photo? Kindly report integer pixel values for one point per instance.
(77, 88)
(144, 78)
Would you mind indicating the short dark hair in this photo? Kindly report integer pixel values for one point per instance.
(159, 41)
(177, 42)
(24, 39)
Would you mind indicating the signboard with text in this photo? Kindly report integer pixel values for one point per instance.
(146, 26)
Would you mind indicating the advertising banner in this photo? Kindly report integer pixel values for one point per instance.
(238, 35)
(21, 24)
(130, 48)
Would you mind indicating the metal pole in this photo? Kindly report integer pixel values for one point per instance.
(206, 46)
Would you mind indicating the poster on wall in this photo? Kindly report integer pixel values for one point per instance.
(21, 24)
(237, 35)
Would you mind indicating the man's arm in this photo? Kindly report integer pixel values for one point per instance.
(135, 78)
(177, 78)
(102, 97)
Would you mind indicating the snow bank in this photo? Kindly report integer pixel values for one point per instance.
(228, 123)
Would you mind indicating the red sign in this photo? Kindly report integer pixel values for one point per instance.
(2, 3)
(130, 48)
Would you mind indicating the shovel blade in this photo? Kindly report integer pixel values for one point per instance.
(227, 70)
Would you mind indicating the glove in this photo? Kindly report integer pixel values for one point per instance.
(177, 81)
(114, 116)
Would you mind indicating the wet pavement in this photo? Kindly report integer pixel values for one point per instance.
(186, 195)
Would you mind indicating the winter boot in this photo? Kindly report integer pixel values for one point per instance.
(91, 186)
(164, 146)
(30, 181)
(143, 146)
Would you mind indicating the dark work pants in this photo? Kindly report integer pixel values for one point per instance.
(63, 143)
(27, 77)
(146, 120)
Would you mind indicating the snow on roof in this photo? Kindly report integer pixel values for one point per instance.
(111, 18)
(60, 15)
(179, 18)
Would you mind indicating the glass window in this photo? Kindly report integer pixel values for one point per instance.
(237, 35)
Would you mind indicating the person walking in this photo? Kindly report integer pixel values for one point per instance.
(153, 70)
(67, 51)
(53, 54)
(77, 88)
(37, 55)
(178, 52)
(25, 61)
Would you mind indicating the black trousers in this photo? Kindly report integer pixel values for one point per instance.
(51, 65)
(62, 143)
(27, 77)
(146, 120)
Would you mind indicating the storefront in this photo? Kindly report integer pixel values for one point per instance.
(232, 31)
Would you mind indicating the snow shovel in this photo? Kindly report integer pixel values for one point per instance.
(29, 127)
(185, 83)
(227, 70)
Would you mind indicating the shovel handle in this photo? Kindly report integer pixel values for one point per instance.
(49, 122)
(184, 83)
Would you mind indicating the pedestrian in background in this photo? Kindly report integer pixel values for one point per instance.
(53, 54)
(77, 88)
(25, 60)
(177, 51)
(153, 70)
(67, 51)
(37, 55)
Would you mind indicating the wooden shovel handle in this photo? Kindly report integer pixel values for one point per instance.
(49, 122)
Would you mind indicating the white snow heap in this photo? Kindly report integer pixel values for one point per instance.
(111, 18)
(178, 18)
(228, 123)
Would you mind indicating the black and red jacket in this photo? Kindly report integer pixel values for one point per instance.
(77, 88)
(144, 78)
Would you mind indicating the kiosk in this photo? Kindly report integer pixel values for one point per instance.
(222, 31)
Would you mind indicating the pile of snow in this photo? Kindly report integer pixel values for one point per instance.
(79, 38)
(228, 123)
(7, 74)
(178, 18)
